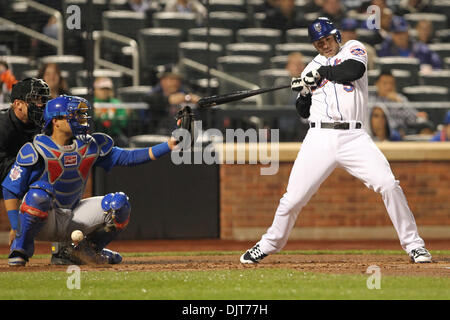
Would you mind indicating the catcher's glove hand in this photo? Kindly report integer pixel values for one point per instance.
(297, 84)
(312, 78)
(186, 120)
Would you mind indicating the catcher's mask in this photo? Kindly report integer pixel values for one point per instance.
(75, 110)
(35, 92)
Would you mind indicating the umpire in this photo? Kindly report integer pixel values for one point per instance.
(21, 121)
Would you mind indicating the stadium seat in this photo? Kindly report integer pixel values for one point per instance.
(443, 7)
(158, 46)
(403, 63)
(259, 35)
(228, 20)
(17, 64)
(278, 62)
(402, 78)
(201, 53)
(439, 20)
(436, 78)
(206, 87)
(306, 49)
(71, 64)
(178, 20)
(261, 50)
(254, 6)
(227, 5)
(258, 19)
(242, 67)
(368, 36)
(443, 35)
(447, 63)
(9, 37)
(216, 35)
(442, 49)
(133, 93)
(270, 78)
(426, 93)
(80, 92)
(115, 76)
(126, 23)
(298, 35)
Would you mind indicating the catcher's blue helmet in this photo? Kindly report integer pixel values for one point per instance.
(74, 109)
(323, 27)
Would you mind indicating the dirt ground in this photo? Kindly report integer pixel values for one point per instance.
(329, 263)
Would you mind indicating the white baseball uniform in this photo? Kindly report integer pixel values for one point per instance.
(324, 149)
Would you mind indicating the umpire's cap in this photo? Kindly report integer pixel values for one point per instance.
(323, 27)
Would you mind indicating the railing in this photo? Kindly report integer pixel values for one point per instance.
(57, 43)
(98, 61)
(221, 75)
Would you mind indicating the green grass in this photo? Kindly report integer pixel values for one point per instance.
(245, 284)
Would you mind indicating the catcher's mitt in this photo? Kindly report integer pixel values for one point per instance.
(186, 120)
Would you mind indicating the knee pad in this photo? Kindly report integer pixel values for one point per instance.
(38, 200)
(119, 206)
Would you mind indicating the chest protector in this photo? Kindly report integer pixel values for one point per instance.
(67, 168)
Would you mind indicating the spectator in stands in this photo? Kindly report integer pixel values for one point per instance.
(333, 10)
(424, 30)
(414, 6)
(403, 119)
(194, 6)
(7, 80)
(51, 28)
(165, 98)
(444, 134)
(148, 7)
(284, 17)
(348, 32)
(110, 120)
(400, 44)
(379, 128)
(51, 73)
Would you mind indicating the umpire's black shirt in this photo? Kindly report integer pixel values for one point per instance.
(13, 135)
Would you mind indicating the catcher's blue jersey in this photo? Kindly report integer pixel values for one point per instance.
(66, 168)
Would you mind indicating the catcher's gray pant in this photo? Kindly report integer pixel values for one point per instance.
(60, 223)
(321, 152)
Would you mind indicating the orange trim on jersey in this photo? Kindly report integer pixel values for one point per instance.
(33, 211)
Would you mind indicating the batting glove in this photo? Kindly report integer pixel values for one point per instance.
(312, 78)
(297, 84)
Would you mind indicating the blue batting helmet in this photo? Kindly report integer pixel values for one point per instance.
(323, 27)
(74, 109)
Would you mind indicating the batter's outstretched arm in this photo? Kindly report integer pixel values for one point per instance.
(347, 71)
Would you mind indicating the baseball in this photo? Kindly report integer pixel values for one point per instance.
(77, 236)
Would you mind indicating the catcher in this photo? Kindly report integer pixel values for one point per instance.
(43, 190)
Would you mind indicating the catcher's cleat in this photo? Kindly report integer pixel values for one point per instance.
(420, 255)
(17, 259)
(253, 255)
(112, 256)
(84, 253)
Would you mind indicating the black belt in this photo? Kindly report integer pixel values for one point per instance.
(336, 125)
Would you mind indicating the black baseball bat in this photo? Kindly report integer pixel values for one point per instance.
(234, 96)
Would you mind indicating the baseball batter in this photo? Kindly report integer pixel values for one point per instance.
(333, 96)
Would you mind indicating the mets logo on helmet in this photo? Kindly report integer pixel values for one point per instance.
(317, 27)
